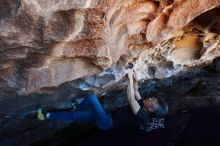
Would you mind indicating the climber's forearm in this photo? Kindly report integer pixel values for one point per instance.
(134, 105)
(131, 97)
(136, 92)
(130, 89)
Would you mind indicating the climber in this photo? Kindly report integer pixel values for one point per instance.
(90, 110)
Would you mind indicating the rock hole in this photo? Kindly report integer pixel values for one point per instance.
(169, 65)
(151, 71)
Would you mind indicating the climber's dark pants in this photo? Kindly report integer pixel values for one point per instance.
(89, 110)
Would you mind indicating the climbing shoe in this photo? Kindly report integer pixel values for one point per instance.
(41, 115)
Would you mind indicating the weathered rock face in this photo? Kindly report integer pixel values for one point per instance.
(51, 50)
(47, 43)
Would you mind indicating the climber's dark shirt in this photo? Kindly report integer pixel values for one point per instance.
(124, 117)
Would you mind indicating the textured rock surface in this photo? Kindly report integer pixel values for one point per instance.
(177, 15)
(51, 50)
(47, 43)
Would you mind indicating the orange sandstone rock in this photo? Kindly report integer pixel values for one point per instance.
(47, 43)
